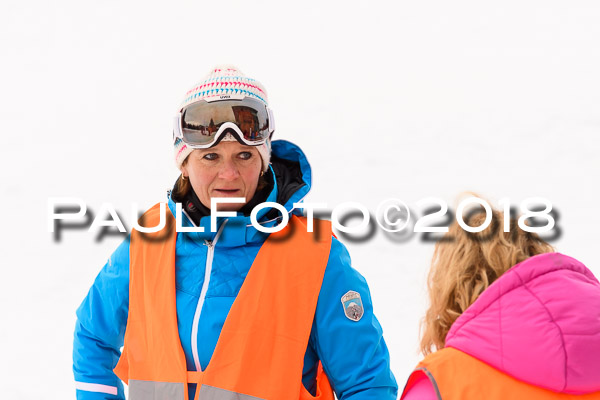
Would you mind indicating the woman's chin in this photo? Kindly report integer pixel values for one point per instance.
(237, 208)
(229, 206)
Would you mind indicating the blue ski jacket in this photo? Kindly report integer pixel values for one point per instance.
(210, 269)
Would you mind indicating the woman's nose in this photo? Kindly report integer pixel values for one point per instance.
(229, 170)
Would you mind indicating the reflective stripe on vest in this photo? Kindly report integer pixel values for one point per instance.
(260, 352)
(171, 391)
(458, 376)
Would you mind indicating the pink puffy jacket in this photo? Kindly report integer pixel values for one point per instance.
(539, 323)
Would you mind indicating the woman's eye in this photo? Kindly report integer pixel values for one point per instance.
(210, 156)
(245, 155)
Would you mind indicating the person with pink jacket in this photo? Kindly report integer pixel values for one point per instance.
(509, 318)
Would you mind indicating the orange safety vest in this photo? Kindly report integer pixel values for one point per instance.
(456, 375)
(261, 348)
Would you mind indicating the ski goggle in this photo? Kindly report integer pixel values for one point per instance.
(202, 124)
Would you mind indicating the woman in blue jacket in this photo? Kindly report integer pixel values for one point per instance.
(233, 156)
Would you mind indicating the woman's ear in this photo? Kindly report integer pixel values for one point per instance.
(183, 167)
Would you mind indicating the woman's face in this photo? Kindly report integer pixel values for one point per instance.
(229, 169)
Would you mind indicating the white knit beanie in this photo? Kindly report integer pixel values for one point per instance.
(224, 79)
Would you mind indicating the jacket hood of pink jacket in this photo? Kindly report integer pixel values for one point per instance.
(539, 323)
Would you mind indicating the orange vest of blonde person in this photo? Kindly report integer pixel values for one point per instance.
(456, 375)
(260, 351)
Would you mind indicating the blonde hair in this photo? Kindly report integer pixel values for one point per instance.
(464, 265)
(182, 186)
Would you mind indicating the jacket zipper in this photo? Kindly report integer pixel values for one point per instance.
(207, 272)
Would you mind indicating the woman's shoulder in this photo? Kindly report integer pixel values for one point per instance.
(340, 262)
(120, 257)
(339, 257)
(341, 278)
(419, 387)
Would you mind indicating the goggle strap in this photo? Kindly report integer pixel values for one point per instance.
(271, 121)
(177, 132)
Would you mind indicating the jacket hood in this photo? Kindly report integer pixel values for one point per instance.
(292, 181)
(539, 323)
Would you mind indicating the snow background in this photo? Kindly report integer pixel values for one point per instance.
(387, 99)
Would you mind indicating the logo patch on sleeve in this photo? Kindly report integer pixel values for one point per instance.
(353, 306)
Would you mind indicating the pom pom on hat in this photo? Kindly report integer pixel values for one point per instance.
(221, 80)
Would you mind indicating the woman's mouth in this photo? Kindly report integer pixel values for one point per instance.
(227, 192)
